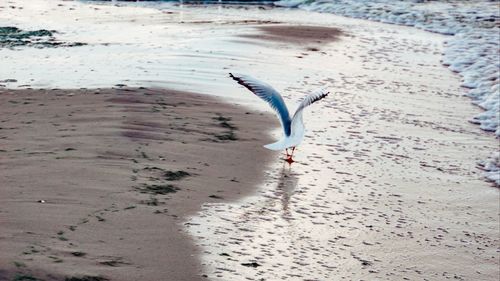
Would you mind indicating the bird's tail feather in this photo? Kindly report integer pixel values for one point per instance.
(279, 145)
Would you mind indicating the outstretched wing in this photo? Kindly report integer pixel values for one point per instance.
(310, 99)
(268, 94)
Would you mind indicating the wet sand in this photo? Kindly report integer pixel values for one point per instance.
(99, 182)
(386, 184)
(297, 34)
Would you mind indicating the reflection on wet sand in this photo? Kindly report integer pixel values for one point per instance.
(286, 186)
(285, 189)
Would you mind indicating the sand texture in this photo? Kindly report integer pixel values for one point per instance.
(97, 182)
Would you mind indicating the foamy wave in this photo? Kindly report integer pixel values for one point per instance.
(491, 168)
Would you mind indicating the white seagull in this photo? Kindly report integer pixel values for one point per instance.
(293, 128)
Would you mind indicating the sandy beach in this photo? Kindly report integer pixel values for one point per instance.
(134, 156)
(95, 185)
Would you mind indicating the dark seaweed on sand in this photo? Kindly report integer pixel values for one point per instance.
(24, 277)
(227, 136)
(159, 189)
(11, 37)
(224, 123)
(175, 176)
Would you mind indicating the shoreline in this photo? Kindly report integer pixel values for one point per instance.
(113, 174)
(462, 53)
(386, 184)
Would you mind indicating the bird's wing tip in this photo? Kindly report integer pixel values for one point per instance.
(240, 79)
(234, 76)
(324, 91)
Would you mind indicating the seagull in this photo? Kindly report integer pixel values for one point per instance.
(293, 128)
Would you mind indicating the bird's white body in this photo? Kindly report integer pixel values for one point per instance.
(295, 138)
(293, 128)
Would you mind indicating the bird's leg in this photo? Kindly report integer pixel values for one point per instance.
(289, 156)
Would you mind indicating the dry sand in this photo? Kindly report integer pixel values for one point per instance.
(96, 182)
